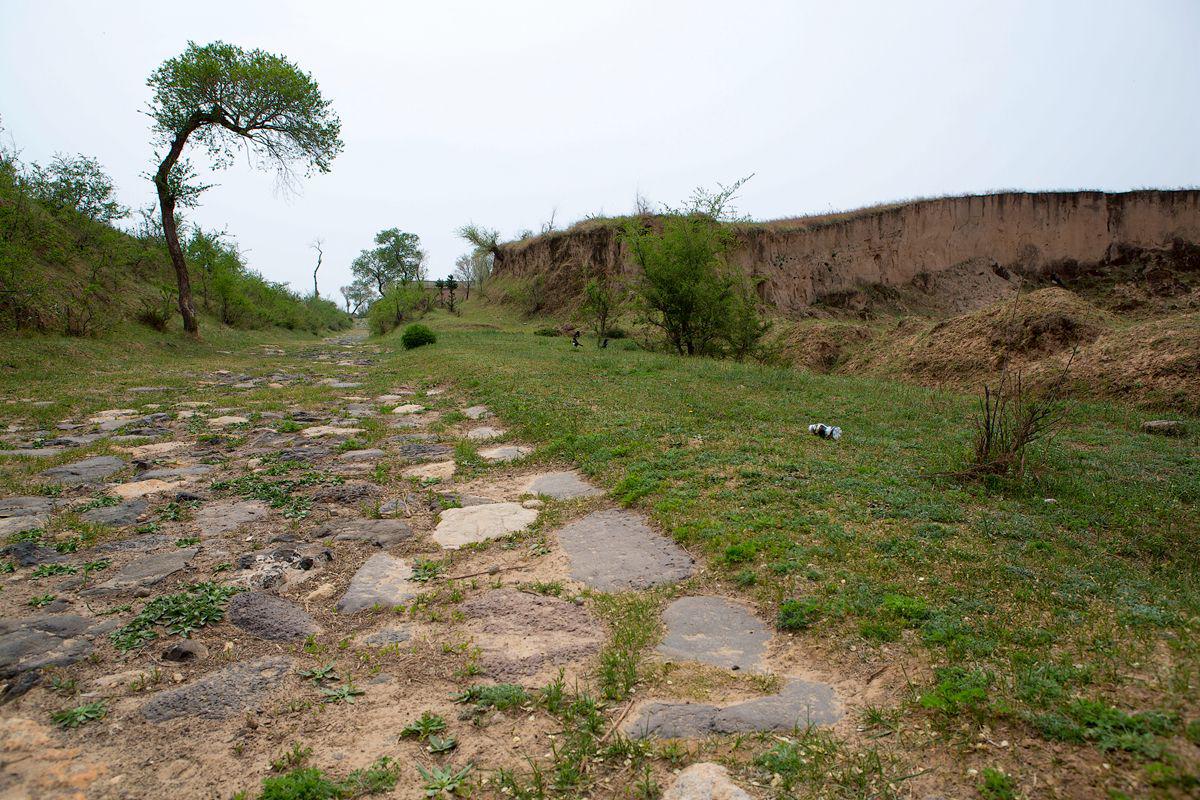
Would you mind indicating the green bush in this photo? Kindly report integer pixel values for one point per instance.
(546, 332)
(796, 615)
(416, 336)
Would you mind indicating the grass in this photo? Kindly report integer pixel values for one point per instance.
(80, 715)
(201, 604)
(1025, 616)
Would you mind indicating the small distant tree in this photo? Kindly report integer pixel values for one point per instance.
(79, 183)
(486, 244)
(464, 272)
(440, 285)
(358, 294)
(229, 99)
(603, 298)
(451, 284)
(395, 259)
(319, 246)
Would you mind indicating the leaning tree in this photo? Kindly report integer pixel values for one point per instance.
(228, 99)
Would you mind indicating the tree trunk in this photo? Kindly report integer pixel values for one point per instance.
(186, 308)
(166, 202)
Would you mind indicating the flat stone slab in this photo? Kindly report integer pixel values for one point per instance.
(89, 470)
(379, 532)
(704, 781)
(522, 635)
(12, 525)
(227, 515)
(561, 486)
(423, 451)
(28, 554)
(34, 452)
(348, 492)
(329, 430)
(485, 432)
(615, 550)
(462, 526)
(408, 408)
(801, 704)
(714, 630)
(382, 580)
(24, 506)
(130, 491)
(145, 571)
(46, 640)
(221, 422)
(388, 636)
(507, 452)
(477, 412)
(230, 690)
(177, 473)
(126, 513)
(268, 616)
(441, 470)
(369, 454)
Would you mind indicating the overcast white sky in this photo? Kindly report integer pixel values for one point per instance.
(504, 112)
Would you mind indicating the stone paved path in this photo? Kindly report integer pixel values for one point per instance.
(229, 574)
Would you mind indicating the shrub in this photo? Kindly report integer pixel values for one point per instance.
(797, 615)
(398, 304)
(546, 332)
(1010, 419)
(416, 336)
(602, 300)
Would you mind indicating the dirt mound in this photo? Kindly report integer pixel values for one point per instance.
(1155, 362)
(1013, 334)
(822, 346)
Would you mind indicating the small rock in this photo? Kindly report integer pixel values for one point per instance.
(704, 781)
(477, 412)
(221, 694)
(1165, 427)
(408, 408)
(269, 617)
(505, 453)
(382, 580)
(89, 470)
(461, 526)
(186, 650)
(532, 503)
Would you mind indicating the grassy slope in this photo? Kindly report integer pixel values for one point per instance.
(1094, 595)
(1038, 604)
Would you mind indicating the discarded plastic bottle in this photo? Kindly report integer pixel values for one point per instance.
(825, 431)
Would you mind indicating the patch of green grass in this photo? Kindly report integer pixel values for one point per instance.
(309, 783)
(548, 588)
(187, 541)
(634, 625)
(1108, 728)
(441, 781)
(292, 759)
(425, 570)
(798, 615)
(997, 785)
(422, 728)
(199, 605)
(817, 759)
(80, 715)
(957, 691)
(41, 600)
(279, 494)
(49, 570)
(500, 696)
(341, 694)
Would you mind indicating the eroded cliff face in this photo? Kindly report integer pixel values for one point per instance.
(802, 261)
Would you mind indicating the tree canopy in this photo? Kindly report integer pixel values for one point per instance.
(395, 259)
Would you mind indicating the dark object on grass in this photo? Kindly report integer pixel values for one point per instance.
(575, 339)
(604, 343)
(1165, 427)
(416, 336)
(825, 431)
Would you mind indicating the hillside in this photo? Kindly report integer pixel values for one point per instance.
(65, 273)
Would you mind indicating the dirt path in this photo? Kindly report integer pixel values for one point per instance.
(237, 580)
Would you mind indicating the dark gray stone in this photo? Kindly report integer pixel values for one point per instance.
(388, 636)
(29, 554)
(221, 694)
(144, 571)
(800, 704)
(270, 617)
(379, 532)
(714, 630)
(89, 470)
(616, 550)
(26, 506)
(383, 580)
(369, 454)
(424, 452)
(126, 513)
(145, 543)
(348, 492)
(13, 525)
(176, 473)
(46, 640)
